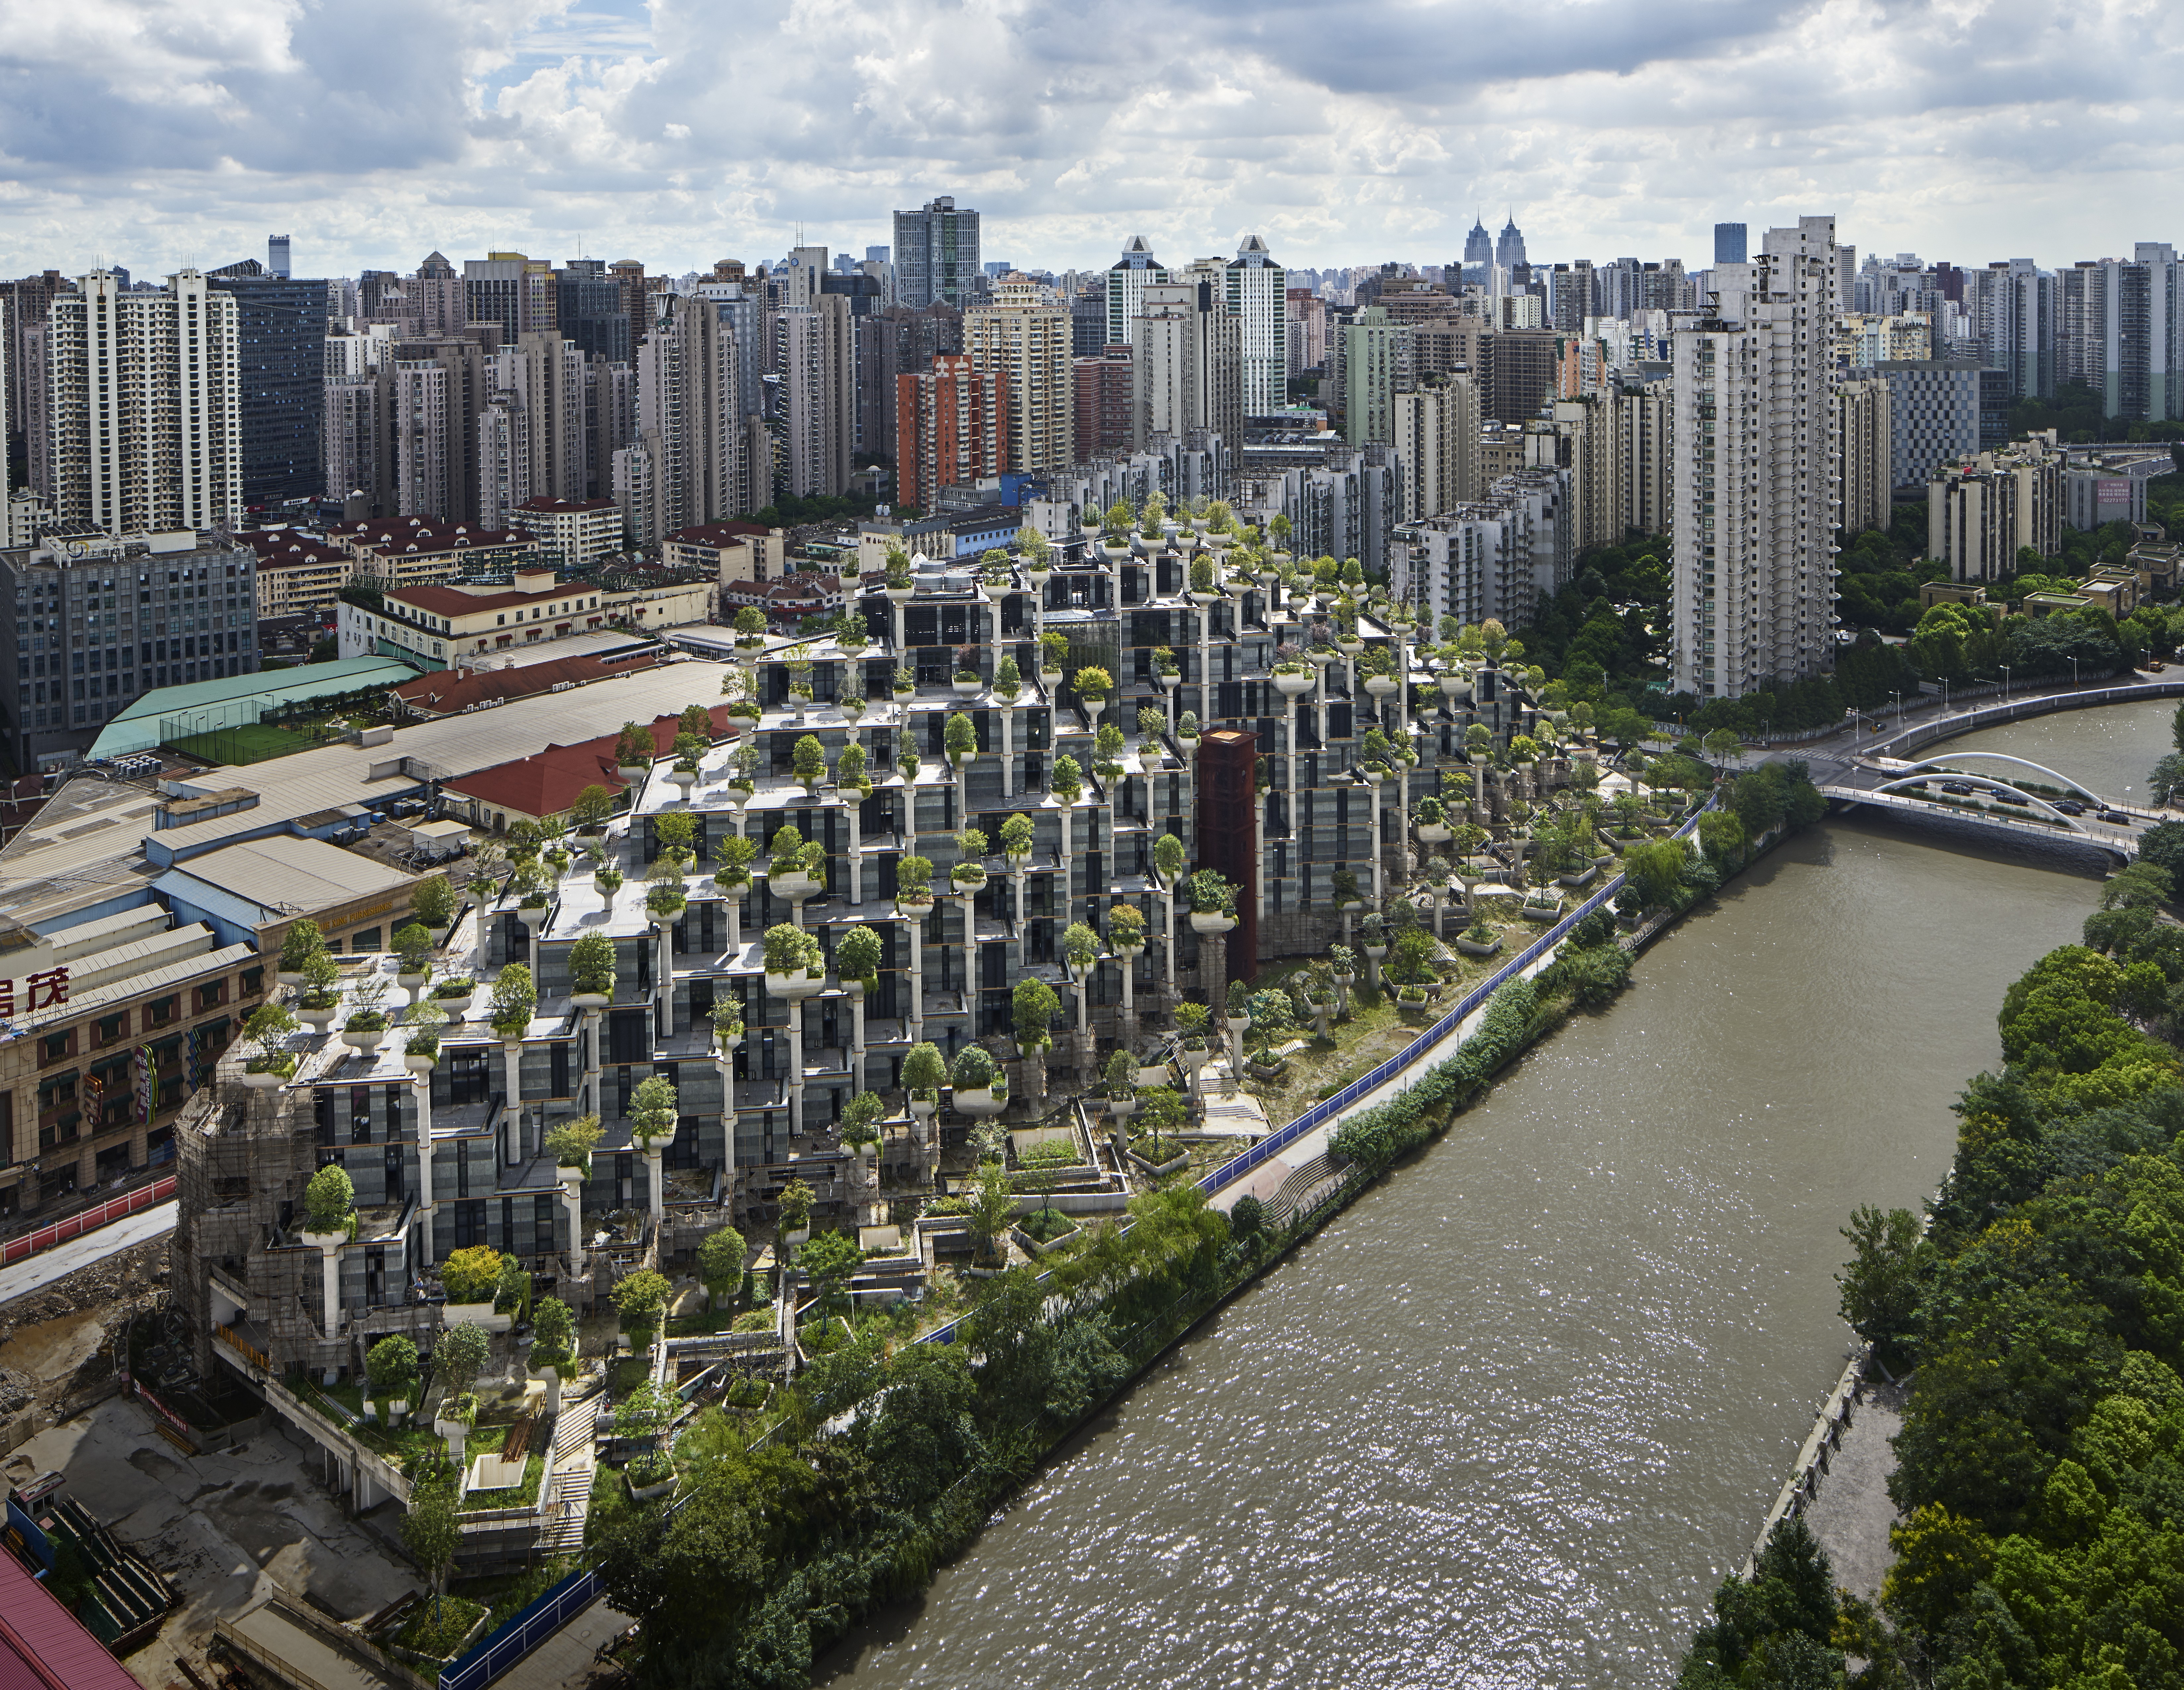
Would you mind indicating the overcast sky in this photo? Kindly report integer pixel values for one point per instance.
(154, 133)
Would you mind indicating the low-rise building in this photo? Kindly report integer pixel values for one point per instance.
(391, 552)
(433, 627)
(108, 1023)
(572, 532)
(807, 594)
(729, 551)
(299, 573)
(252, 892)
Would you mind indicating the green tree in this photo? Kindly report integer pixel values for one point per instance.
(1722, 837)
(459, 1355)
(2139, 885)
(1881, 1282)
(1653, 869)
(721, 1262)
(433, 1532)
(830, 1257)
(592, 807)
(432, 901)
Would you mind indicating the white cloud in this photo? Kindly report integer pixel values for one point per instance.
(163, 132)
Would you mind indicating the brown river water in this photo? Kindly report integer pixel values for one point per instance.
(1507, 1420)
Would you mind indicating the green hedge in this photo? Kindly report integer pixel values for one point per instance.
(1377, 1136)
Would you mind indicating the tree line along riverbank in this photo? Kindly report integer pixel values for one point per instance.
(2039, 1481)
(884, 1461)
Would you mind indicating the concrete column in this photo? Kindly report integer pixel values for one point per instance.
(1008, 747)
(572, 1204)
(856, 1039)
(856, 855)
(657, 1196)
(917, 978)
(663, 989)
(795, 1065)
(329, 1245)
(511, 1051)
(424, 1084)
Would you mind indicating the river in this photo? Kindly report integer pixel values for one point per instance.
(1507, 1420)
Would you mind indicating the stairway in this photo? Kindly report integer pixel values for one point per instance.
(1289, 1197)
(568, 1486)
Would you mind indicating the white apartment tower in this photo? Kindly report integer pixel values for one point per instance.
(1183, 363)
(1128, 279)
(1025, 337)
(1753, 519)
(1258, 299)
(144, 406)
(686, 423)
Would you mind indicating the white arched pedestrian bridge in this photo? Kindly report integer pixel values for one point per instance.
(1922, 789)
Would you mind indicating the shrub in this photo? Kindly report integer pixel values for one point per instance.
(1017, 836)
(553, 1333)
(458, 1355)
(1080, 946)
(913, 878)
(472, 1275)
(515, 1001)
(790, 949)
(304, 941)
(857, 954)
(1377, 1136)
(432, 901)
(1033, 1008)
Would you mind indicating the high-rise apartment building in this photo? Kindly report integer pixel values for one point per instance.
(1645, 441)
(2142, 325)
(936, 254)
(1305, 325)
(535, 427)
(430, 393)
(281, 345)
(1509, 247)
(1436, 435)
(1258, 297)
(1024, 336)
(142, 406)
(1497, 556)
(348, 436)
(1935, 408)
(1517, 369)
(1128, 279)
(1183, 361)
(1103, 402)
(277, 256)
(1864, 481)
(698, 454)
(952, 425)
(1982, 510)
(1752, 531)
(589, 310)
(1376, 366)
(2016, 315)
(1729, 243)
(816, 351)
(891, 344)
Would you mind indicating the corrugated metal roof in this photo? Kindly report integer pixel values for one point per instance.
(240, 699)
(285, 875)
(42, 1643)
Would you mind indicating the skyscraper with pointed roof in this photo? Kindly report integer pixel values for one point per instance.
(1477, 253)
(1509, 250)
(1128, 279)
(1258, 299)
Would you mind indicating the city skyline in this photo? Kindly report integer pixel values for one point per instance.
(615, 130)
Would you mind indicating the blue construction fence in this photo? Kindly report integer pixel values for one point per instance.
(1415, 1052)
(521, 1633)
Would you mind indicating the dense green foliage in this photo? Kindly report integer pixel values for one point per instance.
(2041, 1467)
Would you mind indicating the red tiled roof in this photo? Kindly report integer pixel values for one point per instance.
(565, 505)
(43, 1646)
(550, 782)
(451, 691)
(719, 533)
(448, 601)
(422, 534)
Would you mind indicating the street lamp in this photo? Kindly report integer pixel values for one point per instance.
(2005, 682)
(1898, 698)
(2074, 671)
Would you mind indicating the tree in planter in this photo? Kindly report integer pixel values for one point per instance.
(924, 1072)
(992, 1207)
(1272, 1018)
(571, 1143)
(1032, 1008)
(330, 1200)
(303, 941)
(592, 965)
(1210, 894)
(391, 1366)
(432, 901)
(1161, 1112)
(796, 1200)
(913, 878)
(512, 1295)
(1067, 781)
(413, 948)
(721, 1258)
(432, 1531)
(849, 768)
(1168, 857)
(641, 1300)
(861, 1115)
(515, 1001)
(1092, 684)
(652, 1111)
(790, 950)
(973, 1069)
(829, 1258)
(1080, 948)
(857, 956)
(1008, 679)
(458, 1356)
(593, 806)
(1053, 652)
(735, 853)
(808, 760)
(1018, 837)
(268, 1027)
(960, 736)
(1191, 1020)
(1119, 1078)
(972, 846)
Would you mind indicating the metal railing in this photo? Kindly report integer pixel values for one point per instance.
(521, 1633)
(89, 1220)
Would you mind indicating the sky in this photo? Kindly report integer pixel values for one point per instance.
(159, 133)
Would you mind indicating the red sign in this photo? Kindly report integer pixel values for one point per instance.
(41, 991)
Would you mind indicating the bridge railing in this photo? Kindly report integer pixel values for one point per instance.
(1919, 734)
